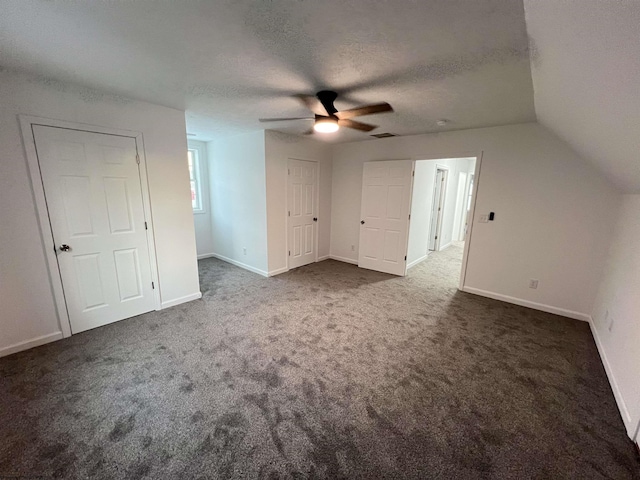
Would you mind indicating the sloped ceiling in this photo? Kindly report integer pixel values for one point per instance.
(230, 62)
(586, 78)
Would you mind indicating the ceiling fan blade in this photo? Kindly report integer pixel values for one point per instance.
(265, 120)
(312, 103)
(366, 110)
(364, 127)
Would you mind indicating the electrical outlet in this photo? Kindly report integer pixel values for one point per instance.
(353, 248)
(244, 250)
(533, 283)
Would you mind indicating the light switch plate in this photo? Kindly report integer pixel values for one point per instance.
(484, 218)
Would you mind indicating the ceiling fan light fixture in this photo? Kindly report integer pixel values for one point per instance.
(326, 125)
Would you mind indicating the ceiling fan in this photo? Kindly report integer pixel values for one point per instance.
(328, 119)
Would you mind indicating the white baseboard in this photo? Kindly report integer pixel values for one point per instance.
(444, 247)
(416, 262)
(178, 301)
(324, 257)
(343, 259)
(527, 303)
(277, 271)
(34, 342)
(206, 255)
(624, 412)
(241, 265)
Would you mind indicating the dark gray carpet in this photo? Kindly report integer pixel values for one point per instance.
(328, 371)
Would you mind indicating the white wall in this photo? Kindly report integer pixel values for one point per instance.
(280, 148)
(28, 311)
(553, 211)
(238, 200)
(202, 220)
(619, 295)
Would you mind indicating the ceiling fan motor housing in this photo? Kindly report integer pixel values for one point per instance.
(327, 97)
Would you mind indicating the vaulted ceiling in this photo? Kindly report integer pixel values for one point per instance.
(586, 77)
(230, 62)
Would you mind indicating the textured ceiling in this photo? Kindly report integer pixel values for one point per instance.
(228, 63)
(586, 77)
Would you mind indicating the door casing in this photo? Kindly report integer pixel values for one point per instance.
(46, 234)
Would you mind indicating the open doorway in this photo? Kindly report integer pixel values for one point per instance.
(437, 208)
(440, 211)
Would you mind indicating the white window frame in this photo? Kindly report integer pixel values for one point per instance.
(199, 157)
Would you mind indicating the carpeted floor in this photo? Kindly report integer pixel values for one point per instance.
(328, 371)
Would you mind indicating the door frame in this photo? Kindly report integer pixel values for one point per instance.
(472, 211)
(317, 208)
(42, 212)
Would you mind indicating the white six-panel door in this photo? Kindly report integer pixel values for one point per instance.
(94, 200)
(302, 212)
(384, 225)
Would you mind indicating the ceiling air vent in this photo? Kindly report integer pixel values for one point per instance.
(384, 135)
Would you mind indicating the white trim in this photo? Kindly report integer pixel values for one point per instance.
(624, 412)
(343, 259)
(406, 247)
(278, 271)
(416, 262)
(529, 304)
(240, 264)
(46, 235)
(34, 342)
(206, 255)
(324, 257)
(445, 246)
(146, 203)
(179, 300)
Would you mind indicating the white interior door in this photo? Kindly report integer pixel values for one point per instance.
(384, 225)
(94, 200)
(438, 205)
(302, 211)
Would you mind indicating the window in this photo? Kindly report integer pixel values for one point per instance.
(193, 156)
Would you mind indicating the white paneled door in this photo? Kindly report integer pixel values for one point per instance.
(94, 200)
(302, 212)
(384, 224)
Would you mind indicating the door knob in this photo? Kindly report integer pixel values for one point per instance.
(64, 247)
(315, 219)
(362, 222)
